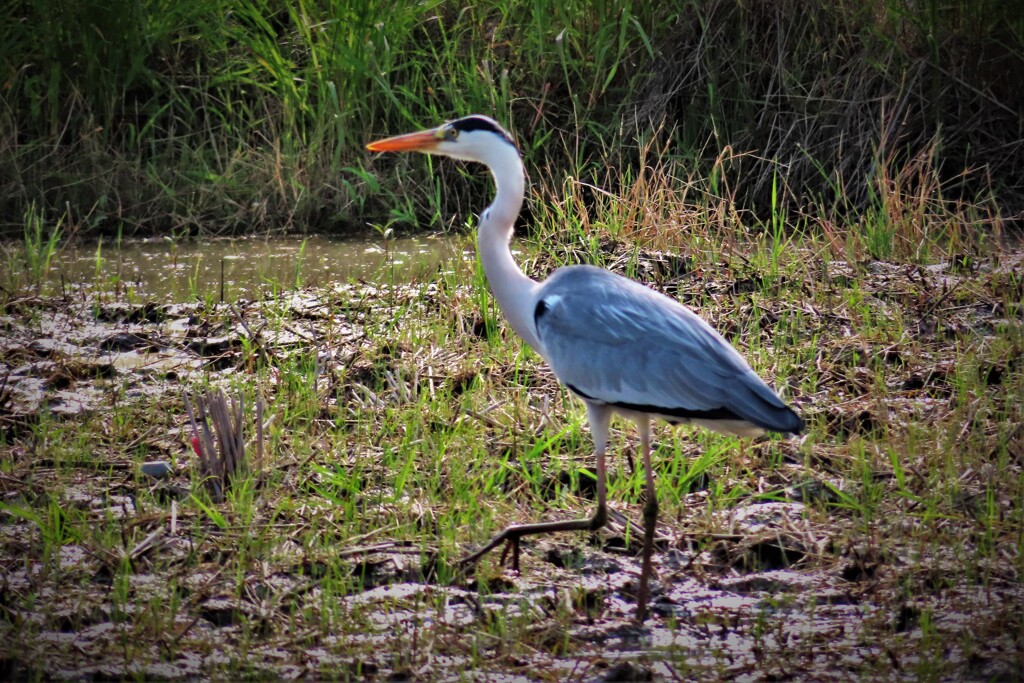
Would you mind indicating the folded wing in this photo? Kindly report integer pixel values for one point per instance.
(614, 341)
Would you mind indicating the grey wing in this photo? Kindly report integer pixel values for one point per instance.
(617, 342)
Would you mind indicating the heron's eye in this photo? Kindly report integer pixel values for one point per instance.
(451, 133)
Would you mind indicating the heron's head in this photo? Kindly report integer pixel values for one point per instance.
(471, 138)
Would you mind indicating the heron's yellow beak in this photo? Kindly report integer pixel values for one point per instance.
(423, 141)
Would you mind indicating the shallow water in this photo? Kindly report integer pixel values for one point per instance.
(178, 272)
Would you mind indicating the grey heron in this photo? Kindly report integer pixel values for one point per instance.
(619, 346)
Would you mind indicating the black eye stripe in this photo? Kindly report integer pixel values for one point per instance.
(470, 123)
(474, 123)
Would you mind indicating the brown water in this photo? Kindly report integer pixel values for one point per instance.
(246, 268)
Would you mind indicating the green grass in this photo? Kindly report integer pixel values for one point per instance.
(28, 261)
(193, 119)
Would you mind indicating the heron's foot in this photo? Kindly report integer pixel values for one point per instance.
(512, 534)
(511, 540)
(512, 543)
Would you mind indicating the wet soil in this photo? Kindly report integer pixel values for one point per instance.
(790, 585)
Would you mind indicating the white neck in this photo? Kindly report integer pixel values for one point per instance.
(513, 290)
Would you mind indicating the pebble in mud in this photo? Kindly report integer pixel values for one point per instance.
(156, 469)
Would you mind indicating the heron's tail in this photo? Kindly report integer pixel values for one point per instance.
(757, 403)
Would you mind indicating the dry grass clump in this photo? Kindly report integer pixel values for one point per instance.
(218, 439)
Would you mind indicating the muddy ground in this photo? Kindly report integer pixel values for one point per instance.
(800, 583)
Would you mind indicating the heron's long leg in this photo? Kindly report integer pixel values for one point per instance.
(650, 520)
(599, 418)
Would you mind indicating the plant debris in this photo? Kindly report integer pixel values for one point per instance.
(884, 545)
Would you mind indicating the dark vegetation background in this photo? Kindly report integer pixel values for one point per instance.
(200, 117)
